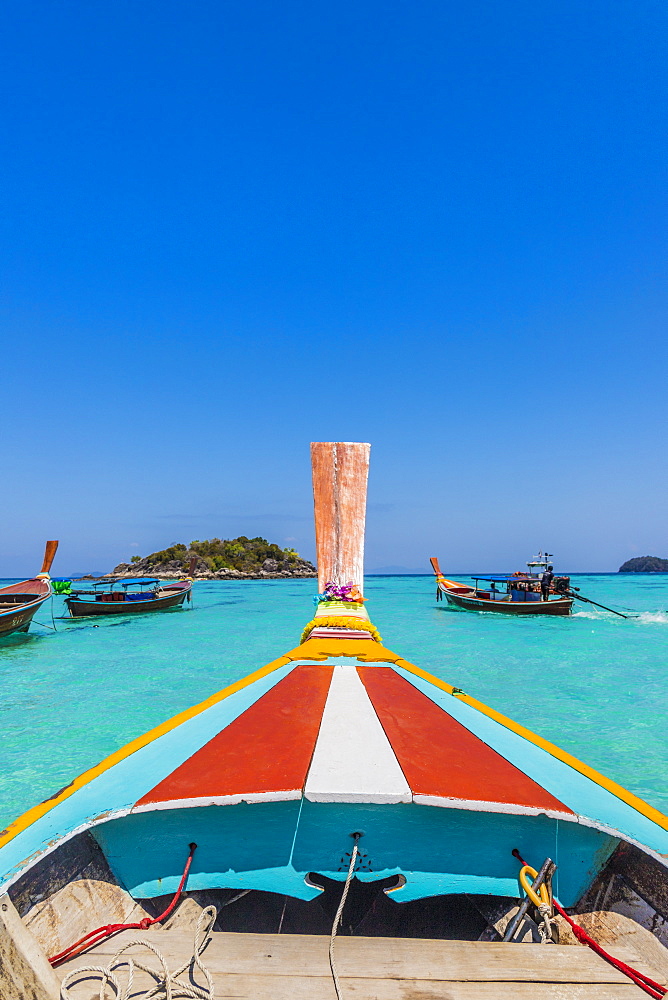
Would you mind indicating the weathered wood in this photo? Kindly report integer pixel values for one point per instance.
(184, 918)
(645, 875)
(249, 987)
(77, 908)
(69, 892)
(340, 473)
(297, 956)
(607, 927)
(635, 884)
(25, 973)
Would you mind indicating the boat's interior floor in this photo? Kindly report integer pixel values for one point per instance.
(250, 966)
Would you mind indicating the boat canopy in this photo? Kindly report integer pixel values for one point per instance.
(139, 582)
(498, 578)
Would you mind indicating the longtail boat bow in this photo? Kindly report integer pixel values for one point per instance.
(20, 601)
(339, 738)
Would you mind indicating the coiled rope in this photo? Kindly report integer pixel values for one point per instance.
(168, 985)
(339, 915)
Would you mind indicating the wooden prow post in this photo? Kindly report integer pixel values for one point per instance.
(434, 565)
(340, 474)
(49, 556)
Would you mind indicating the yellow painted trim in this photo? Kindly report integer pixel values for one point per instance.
(366, 650)
(32, 815)
(566, 758)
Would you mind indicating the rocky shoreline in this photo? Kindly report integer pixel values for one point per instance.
(175, 570)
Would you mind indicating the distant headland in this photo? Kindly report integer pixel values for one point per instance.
(644, 564)
(221, 559)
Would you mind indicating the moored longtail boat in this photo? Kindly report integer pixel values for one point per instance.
(129, 597)
(340, 775)
(20, 601)
(521, 594)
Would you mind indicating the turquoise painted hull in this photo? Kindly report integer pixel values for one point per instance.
(275, 846)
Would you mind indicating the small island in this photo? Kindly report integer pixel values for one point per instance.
(644, 564)
(221, 559)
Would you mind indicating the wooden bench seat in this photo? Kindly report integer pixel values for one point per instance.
(296, 967)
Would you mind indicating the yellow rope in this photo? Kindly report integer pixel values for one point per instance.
(334, 621)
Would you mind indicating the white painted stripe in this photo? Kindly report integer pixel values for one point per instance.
(353, 760)
(491, 807)
(218, 800)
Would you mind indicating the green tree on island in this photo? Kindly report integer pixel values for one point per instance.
(247, 555)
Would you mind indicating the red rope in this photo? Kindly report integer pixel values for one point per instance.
(100, 933)
(650, 987)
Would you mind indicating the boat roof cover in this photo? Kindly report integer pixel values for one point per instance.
(498, 578)
(141, 580)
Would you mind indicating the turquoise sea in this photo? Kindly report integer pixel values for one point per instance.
(593, 683)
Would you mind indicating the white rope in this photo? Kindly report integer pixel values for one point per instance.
(168, 985)
(337, 921)
(545, 925)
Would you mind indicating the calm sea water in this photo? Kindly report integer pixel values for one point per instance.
(593, 683)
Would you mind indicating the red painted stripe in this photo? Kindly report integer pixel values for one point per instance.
(441, 757)
(268, 748)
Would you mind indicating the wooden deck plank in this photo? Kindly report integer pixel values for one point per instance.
(263, 988)
(249, 987)
(296, 957)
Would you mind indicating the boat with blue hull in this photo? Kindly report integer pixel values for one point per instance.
(340, 775)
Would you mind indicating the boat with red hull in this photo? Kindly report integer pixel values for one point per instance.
(20, 601)
(521, 594)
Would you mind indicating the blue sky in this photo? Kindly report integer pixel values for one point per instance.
(228, 229)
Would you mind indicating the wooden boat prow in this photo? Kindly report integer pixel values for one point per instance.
(20, 601)
(342, 741)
